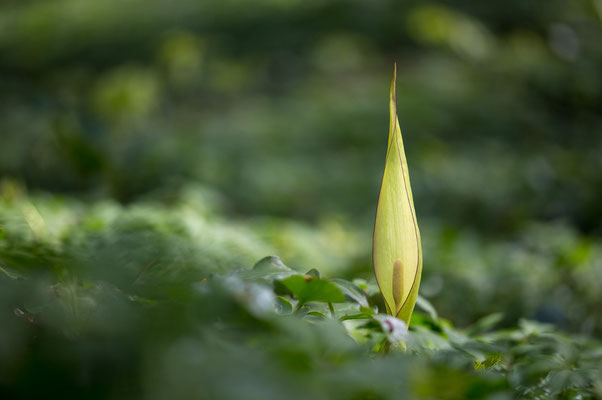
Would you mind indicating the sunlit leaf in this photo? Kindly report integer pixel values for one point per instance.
(396, 253)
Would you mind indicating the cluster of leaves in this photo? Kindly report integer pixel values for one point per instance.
(102, 301)
(548, 273)
(234, 336)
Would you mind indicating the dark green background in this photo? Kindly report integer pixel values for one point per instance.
(281, 106)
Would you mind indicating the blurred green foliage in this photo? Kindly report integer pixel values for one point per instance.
(283, 107)
(158, 299)
(152, 152)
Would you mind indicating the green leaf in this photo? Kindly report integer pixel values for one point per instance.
(306, 289)
(268, 269)
(427, 307)
(484, 324)
(368, 311)
(316, 314)
(314, 273)
(351, 291)
(397, 252)
(355, 316)
(283, 306)
(489, 362)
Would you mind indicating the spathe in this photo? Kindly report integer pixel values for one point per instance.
(396, 250)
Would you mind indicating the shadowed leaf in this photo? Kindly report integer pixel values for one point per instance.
(306, 289)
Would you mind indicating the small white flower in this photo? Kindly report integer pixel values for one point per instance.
(396, 329)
